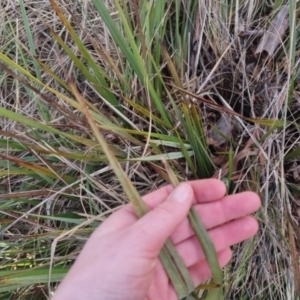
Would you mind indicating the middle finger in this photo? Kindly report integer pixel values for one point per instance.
(216, 213)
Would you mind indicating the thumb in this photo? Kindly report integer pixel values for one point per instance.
(155, 227)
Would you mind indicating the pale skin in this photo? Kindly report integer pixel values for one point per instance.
(120, 260)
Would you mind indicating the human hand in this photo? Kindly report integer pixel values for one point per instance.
(120, 259)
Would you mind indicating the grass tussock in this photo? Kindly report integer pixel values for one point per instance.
(212, 87)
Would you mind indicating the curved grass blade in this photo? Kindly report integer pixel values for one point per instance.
(182, 287)
(206, 244)
(210, 255)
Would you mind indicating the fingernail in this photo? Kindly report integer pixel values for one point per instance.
(181, 193)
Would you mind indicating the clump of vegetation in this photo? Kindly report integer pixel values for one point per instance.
(210, 87)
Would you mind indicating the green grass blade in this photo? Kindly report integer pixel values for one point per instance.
(42, 107)
(210, 254)
(171, 270)
(29, 37)
(130, 52)
(165, 156)
(12, 280)
(206, 244)
(35, 124)
(99, 73)
(136, 201)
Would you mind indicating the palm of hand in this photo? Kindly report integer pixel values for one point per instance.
(120, 260)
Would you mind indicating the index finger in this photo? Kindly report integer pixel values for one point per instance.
(205, 190)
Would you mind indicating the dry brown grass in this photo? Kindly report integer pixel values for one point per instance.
(230, 73)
